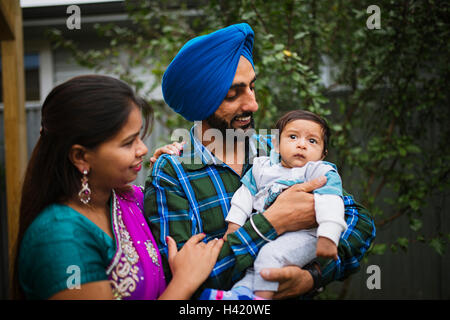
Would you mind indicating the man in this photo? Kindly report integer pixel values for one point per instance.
(212, 80)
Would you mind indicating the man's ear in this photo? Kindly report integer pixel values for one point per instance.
(77, 155)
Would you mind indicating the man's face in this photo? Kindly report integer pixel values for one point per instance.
(236, 110)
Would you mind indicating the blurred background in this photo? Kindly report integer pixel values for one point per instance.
(378, 71)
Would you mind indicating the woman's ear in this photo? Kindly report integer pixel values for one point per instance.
(77, 155)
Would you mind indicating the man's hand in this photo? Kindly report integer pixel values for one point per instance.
(292, 280)
(294, 208)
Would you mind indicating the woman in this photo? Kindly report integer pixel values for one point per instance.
(82, 231)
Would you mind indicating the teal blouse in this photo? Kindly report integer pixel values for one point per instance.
(60, 249)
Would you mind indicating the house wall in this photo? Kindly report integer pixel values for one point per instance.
(56, 66)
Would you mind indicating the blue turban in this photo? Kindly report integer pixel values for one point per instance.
(199, 77)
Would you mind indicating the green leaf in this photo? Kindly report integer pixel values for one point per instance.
(278, 47)
(413, 149)
(403, 243)
(300, 35)
(248, 15)
(415, 224)
(438, 245)
(415, 204)
(394, 248)
(279, 56)
(379, 249)
(421, 238)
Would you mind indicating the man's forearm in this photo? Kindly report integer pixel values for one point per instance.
(359, 235)
(239, 252)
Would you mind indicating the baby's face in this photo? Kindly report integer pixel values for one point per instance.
(300, 141)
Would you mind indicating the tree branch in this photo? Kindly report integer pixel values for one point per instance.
(289, 15)
(258, 15)
(391, 218)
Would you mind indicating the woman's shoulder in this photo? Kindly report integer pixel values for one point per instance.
(54, 220)
(52, 215)
(59, 227)
(58, 239)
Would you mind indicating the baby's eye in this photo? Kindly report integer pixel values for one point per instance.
(312, 140)
(293, 136)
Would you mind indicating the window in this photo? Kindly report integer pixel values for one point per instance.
(32, 85)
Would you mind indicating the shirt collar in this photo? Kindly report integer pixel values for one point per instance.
(196, 156)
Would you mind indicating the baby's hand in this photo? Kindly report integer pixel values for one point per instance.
(326, 248)
(232, 227)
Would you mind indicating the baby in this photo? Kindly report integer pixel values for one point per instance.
(297, 157)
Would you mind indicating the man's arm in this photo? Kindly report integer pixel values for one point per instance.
(169, 213)
(354, 243)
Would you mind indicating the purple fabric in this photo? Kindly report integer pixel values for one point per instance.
(136, 271)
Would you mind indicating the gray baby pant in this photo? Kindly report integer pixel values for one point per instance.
(291, 248)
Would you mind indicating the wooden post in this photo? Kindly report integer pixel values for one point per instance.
(11, 38)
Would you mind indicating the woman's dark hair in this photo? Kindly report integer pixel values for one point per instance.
(86, 110)
(305, 115)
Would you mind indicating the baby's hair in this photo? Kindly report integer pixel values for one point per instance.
(305, 115)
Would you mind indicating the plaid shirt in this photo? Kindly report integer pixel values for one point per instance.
(191, 193)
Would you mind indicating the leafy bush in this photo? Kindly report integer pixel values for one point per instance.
(384, 91)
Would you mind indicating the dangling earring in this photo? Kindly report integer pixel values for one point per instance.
(85, 192)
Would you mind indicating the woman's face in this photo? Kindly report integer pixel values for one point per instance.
(117, 161)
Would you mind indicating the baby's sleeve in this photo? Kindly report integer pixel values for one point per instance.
(330, 216)
(242, 201)
(328, 202)
(241, 206)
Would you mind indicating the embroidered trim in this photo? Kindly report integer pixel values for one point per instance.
(116, 233)
(152, 252)
(123, 272)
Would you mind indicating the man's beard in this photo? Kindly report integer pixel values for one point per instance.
(222, 125)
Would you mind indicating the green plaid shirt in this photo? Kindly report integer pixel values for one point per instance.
(189, 194)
